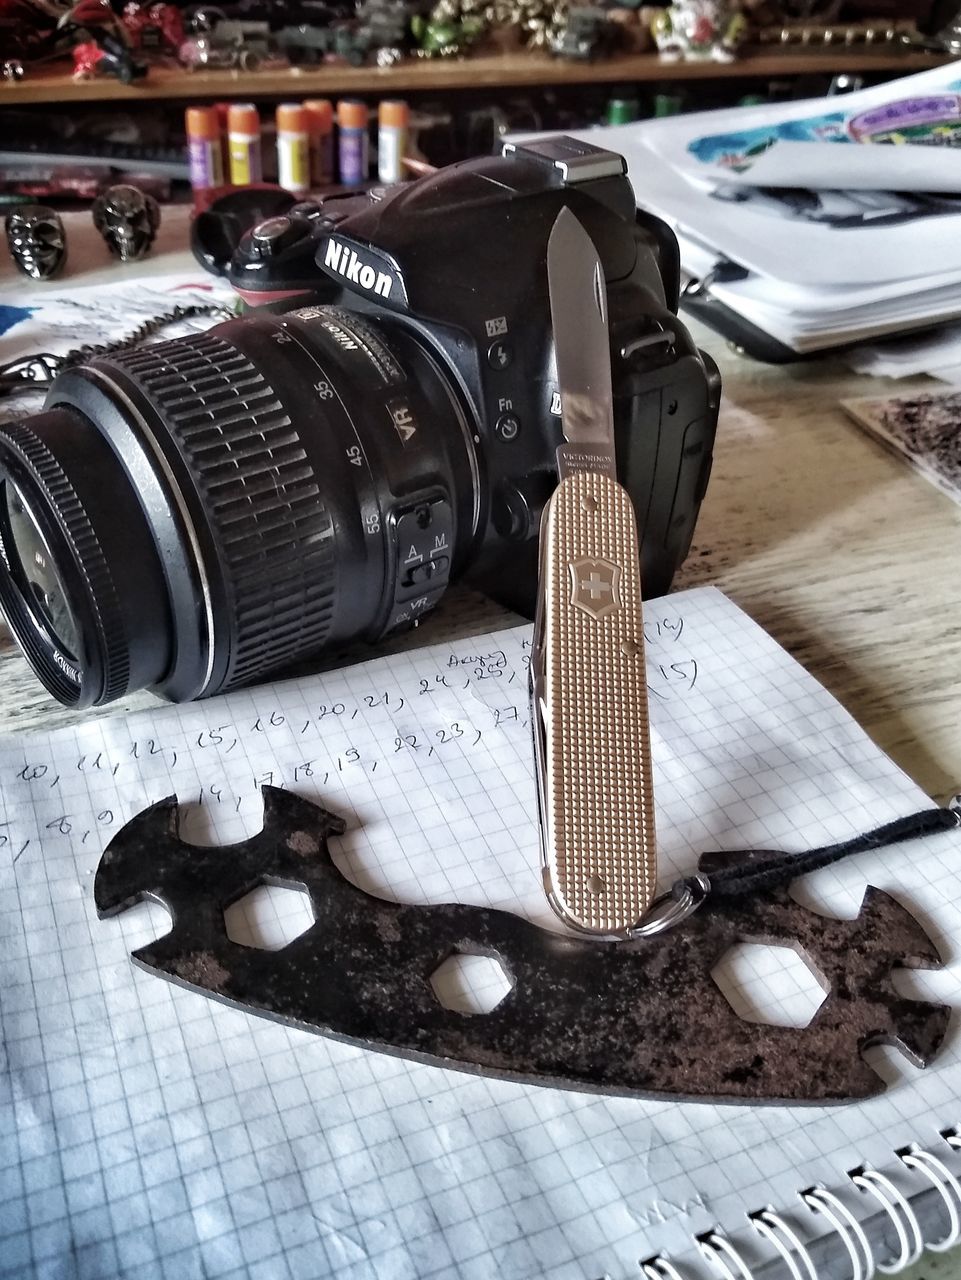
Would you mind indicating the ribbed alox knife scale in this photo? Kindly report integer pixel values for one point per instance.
(589, 690)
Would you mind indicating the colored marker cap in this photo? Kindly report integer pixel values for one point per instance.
(202, 122)
(243, 117)
(291, 117)
(393, 112)
(352, 114)
(621, 111)
(667, 104)
(320, 113)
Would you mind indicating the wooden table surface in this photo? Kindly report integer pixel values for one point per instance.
(845, 556)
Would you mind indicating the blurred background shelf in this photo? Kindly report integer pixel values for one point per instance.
(508, 70)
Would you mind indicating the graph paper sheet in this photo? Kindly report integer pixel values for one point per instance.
(148, 1131)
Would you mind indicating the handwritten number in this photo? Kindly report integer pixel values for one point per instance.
(448, 735)
(678, 676)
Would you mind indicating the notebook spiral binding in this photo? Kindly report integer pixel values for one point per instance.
(794, 1257)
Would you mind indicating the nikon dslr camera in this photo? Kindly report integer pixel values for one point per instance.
(198, 514)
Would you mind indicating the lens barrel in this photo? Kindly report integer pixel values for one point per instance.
(106, 565)
(220, 506)
(264, 554)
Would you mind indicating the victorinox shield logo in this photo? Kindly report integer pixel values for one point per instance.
(595, 586)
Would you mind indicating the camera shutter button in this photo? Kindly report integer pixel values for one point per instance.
(275, 234)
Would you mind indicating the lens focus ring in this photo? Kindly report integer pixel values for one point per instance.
(101, 592)
(261, 499)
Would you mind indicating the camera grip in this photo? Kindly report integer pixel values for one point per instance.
(592, 733)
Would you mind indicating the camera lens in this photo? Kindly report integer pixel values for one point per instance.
(194, 515)
(81, 582)
(37, 569)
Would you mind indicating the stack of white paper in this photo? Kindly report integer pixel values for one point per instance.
(832, 220)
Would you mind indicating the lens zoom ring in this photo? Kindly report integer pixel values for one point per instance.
(92, 562)
(273, 533)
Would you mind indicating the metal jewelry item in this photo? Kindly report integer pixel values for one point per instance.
(642, 1017)
(127, 219)
(588, 685)
(36, 240)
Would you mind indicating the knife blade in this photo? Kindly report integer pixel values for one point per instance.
(589, 690)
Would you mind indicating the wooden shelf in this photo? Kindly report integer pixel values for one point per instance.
(438, 75)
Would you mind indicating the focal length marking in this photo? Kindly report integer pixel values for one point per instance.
(344, 260)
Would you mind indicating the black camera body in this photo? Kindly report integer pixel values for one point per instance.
(459, 257)
(196, 515)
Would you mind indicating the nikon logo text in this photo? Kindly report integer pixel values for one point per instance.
(66, 666)
(345, 262)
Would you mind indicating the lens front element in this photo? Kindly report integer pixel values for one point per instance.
(81, 584)
(33, 566)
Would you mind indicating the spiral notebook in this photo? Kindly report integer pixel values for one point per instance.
(146, 1131)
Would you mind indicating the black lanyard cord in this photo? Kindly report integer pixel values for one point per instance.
(780, 869)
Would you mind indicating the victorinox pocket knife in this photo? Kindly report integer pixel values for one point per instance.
(588, 684)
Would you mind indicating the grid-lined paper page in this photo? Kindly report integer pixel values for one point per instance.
(148, 1131)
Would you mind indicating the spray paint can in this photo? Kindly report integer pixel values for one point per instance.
(320, 126)
(393, 117)
(204, 149)
(293, 148)
(223, 113)
(353, 148)
(243, 141)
